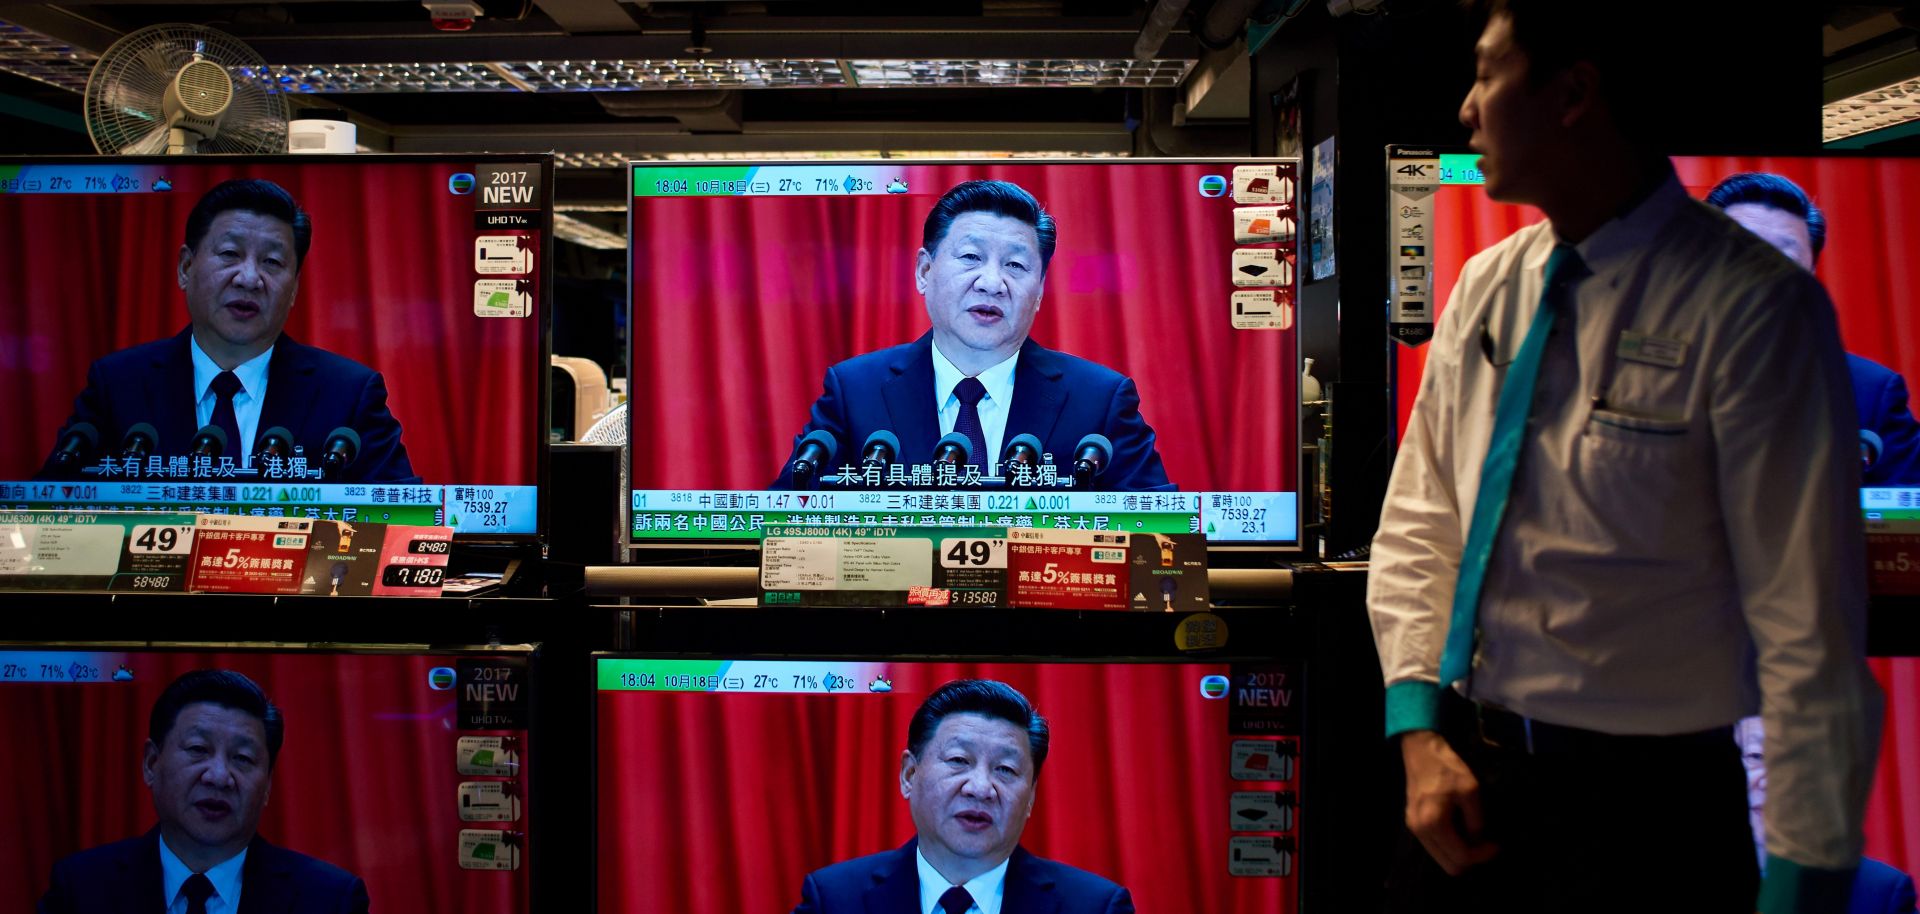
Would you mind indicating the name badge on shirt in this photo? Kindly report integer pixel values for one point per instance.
(1652, 350)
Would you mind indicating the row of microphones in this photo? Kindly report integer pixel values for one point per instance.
(80, 443)
(817, 450)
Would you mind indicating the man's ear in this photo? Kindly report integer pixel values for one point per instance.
(186, 257)
(149, 755)
(907, 765)
(1580, 95)
(922, 265)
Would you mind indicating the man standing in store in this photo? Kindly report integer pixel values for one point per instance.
(1625, 490)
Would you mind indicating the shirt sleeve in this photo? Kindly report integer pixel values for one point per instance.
(1785, 433)
(1416, 550)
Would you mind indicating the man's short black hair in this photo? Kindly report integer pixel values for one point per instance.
(253, 195)
(225, 688)
(1003, 198)
(988, 698)
(1775, 192)
(1556, 34)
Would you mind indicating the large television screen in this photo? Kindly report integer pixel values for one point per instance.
(400, 777)
(1131, 355)
(1177, 782)
(333, 337)
(1875, 286)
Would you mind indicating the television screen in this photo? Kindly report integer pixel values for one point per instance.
(1177, 782)
(1112, 345)
(1875, 287)
(330, 337)
(400, 777)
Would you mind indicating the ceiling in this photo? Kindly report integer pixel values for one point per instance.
(599, 81)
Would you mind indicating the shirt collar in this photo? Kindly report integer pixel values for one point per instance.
(225, 876)
(998, 379)
(252, 372)
(1627, 235)
(988, 889)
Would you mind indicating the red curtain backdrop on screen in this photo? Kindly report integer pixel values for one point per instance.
(365, 780)
(1875, 286)
(741, 304)
(714, 804)
(388, 282)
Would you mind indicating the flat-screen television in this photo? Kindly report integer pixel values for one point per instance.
(1863, 263)
(1090, 344)
(357, 338)
(1874, 282)
(403, 770)
(761, 783)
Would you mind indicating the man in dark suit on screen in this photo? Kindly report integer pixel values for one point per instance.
(212, 740)
(233, 368)
(982, 267)
(973, 757)
(1783, 215)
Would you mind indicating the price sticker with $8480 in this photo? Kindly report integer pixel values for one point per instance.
(155, 539)
(973, 553)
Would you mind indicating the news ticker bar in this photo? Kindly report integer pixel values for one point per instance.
(63, 667)
(776, 181)
(1896, 503)
(666, 514)
(83, 179)
(794, 677)
(465, 508)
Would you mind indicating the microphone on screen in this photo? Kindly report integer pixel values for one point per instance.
(141, 439)
(1090, 458)
(815, 451)
(210, 441)
(76, 445)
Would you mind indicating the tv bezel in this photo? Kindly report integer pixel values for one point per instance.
(637, 547)
(542, 417)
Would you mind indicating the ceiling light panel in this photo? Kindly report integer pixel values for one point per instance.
(1136, 74)
(38, 57)
(562, 76)
(1869, 111)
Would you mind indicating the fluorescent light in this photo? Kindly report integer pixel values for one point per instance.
(1879, 109)
(38, 57)
(567, 228)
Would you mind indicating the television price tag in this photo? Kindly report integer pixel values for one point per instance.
(1260, 855)
(489, 849)
(1261, 810)
(488, 801)
(1169, 572)
(66, 551)
(883, 566)
(1068, 569)
(491, 756)
(1893, 562)
(413, 561)
(241, 554)
(965, 553)
(1263, 760)
(154, 539)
